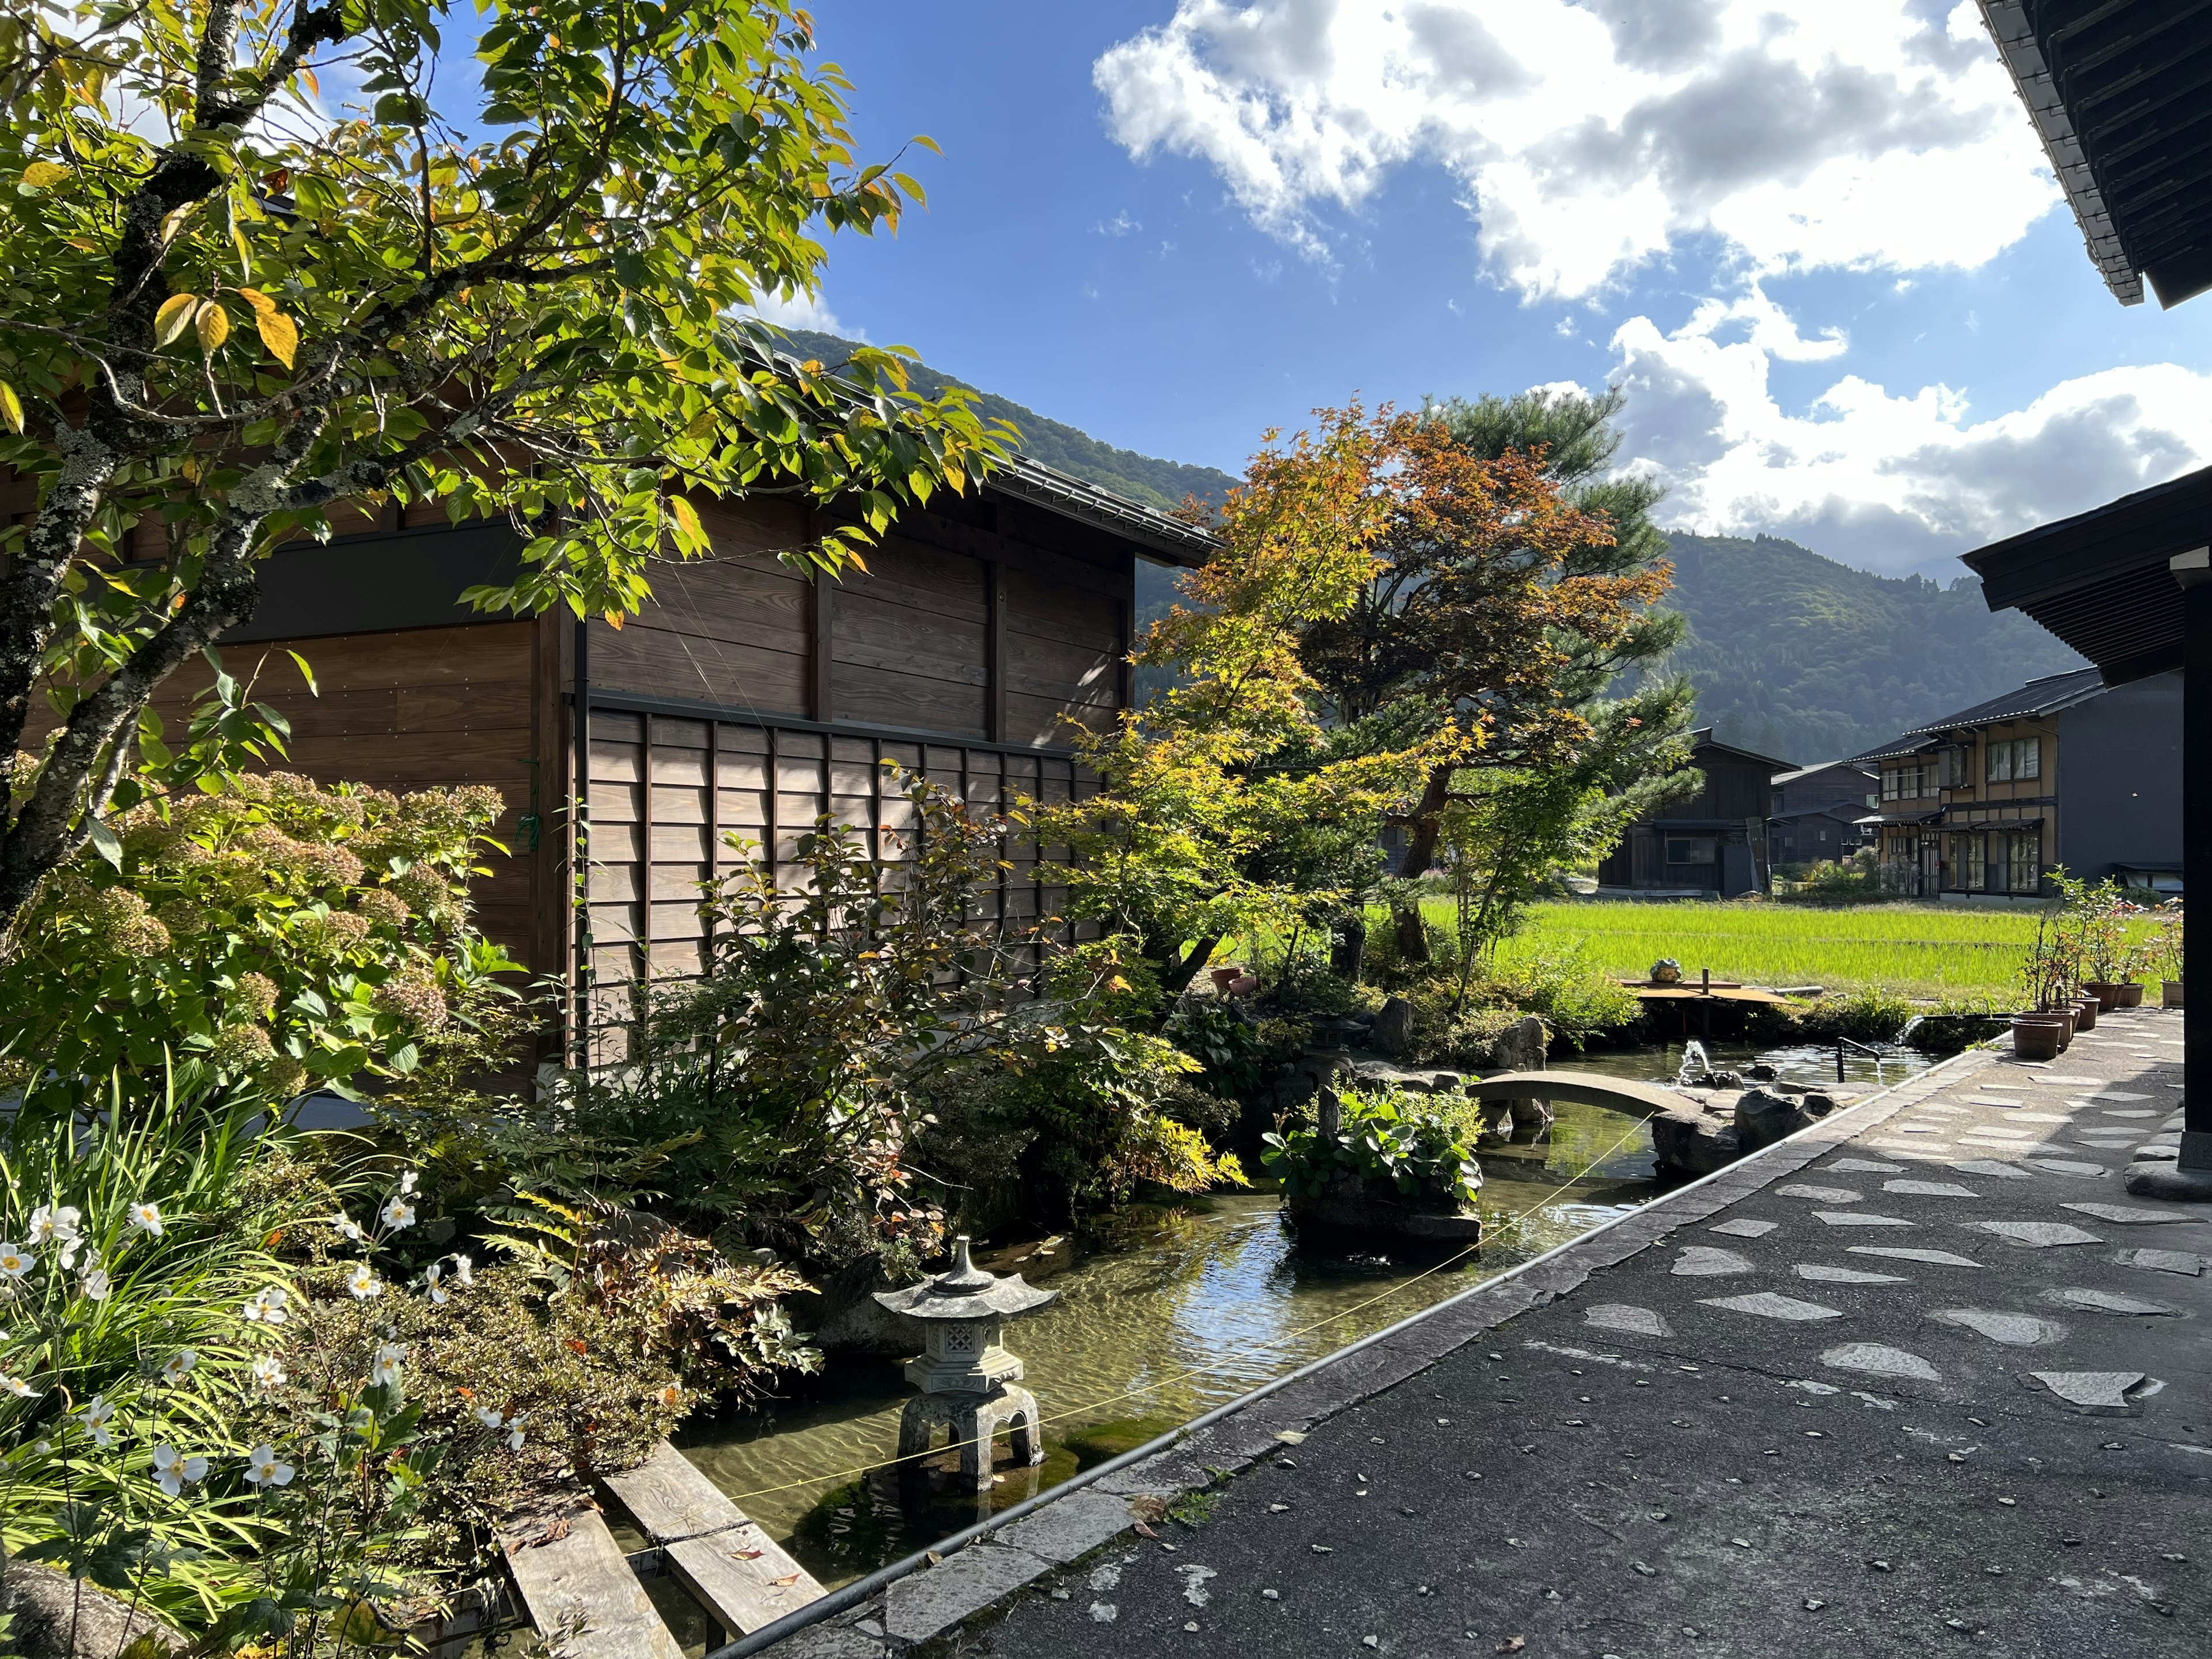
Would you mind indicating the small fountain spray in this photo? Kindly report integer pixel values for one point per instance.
(1697, 1064)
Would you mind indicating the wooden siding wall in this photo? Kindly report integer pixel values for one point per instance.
(667, 793)
(426, 709)
(954, 629)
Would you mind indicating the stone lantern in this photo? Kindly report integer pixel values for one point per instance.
(966, 1375)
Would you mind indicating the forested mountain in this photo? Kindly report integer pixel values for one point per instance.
(1797, 656)
(1794, 655)
(1146, 479)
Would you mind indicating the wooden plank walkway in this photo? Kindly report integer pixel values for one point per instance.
(582, 1596)
(585, 1599)
(737, 1572)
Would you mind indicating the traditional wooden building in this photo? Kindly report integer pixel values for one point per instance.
(1712, 845)
(746, 699)
(1980, 805)
(1816, 811)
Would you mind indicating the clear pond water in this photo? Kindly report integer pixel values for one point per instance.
(1167, 1311)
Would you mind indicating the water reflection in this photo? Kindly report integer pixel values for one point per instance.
(1165, 1312)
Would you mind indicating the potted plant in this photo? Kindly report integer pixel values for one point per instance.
(2162, 952)
(2045, 1027)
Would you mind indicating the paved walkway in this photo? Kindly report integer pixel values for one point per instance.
(1923, 1378)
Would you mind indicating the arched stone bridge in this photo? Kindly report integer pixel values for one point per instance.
(1584, 1089)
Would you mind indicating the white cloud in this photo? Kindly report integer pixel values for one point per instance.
(1120, 225)
(1591, 138)
(797, 310)
(1888, 481)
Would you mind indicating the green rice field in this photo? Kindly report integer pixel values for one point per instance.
(1919, 949)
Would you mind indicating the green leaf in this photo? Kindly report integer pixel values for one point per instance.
(105, 843)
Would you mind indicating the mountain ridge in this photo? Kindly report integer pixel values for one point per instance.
(1793, 654)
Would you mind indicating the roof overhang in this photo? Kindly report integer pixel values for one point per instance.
(1168, 538)
(2103, 581)
(2120, 92)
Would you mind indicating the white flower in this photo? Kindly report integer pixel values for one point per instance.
(43, 1447)
(431, 1275)
(93, 1283)
(269, 1371)
(464, 1272)
(266, 1306)
(16, 1261)
(98, 1414)
(178, 1365)
(263, 1470)
(500, 1419)
(407, 1181)
(348, 1228)
(53, 1225)
(147, 1218)
(399, 1215)
(17, 1386)
(173, 1472)
(361, 1282)
(384, 1369)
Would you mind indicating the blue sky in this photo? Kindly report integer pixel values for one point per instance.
(1826, 261)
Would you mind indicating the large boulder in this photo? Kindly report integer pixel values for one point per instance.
(1521, 1046)
(1694, 1143)
(55, 1616)
(1763, 1118)
(1393, 1033)
(851, 1321)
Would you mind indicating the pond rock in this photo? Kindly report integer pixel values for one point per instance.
(1393, 1032)
(1353, 1207)
(1694, 1143)
(1521, 1046)
(57, 1617)
(1763, 1116)
(850, 1320)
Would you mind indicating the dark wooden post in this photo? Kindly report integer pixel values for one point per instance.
(994, 651)
(2189, 1176)
(2194, 571)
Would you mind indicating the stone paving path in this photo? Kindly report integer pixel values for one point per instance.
(1932, 1382)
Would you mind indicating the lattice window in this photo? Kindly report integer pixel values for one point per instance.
(666, 793)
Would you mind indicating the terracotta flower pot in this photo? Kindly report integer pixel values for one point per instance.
(1224, 977)
(2087, 1009)
(2033, 1038)
(2169, 994)
(2132, 994)
(2106, 991)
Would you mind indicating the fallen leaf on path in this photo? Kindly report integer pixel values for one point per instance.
(1513, 1644)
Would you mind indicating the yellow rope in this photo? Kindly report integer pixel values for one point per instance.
(742, 1499)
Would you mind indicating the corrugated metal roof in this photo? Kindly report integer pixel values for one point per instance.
(1056, 491)
(2045, 697)
(1804, 772)
(1073, 498)
(1703, 738)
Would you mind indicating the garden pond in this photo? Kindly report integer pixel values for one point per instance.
(1168, 1310)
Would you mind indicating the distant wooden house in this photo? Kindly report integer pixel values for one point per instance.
(746, 699)
(1713, 844)
(1816, 811)
(1979, 804)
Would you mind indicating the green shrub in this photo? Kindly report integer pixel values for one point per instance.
(1389, 1139)
(1868, 1014)
(274, 932)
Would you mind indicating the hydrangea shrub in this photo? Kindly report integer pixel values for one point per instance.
(279, 932)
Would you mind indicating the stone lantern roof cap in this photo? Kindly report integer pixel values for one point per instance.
(966, 1292)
